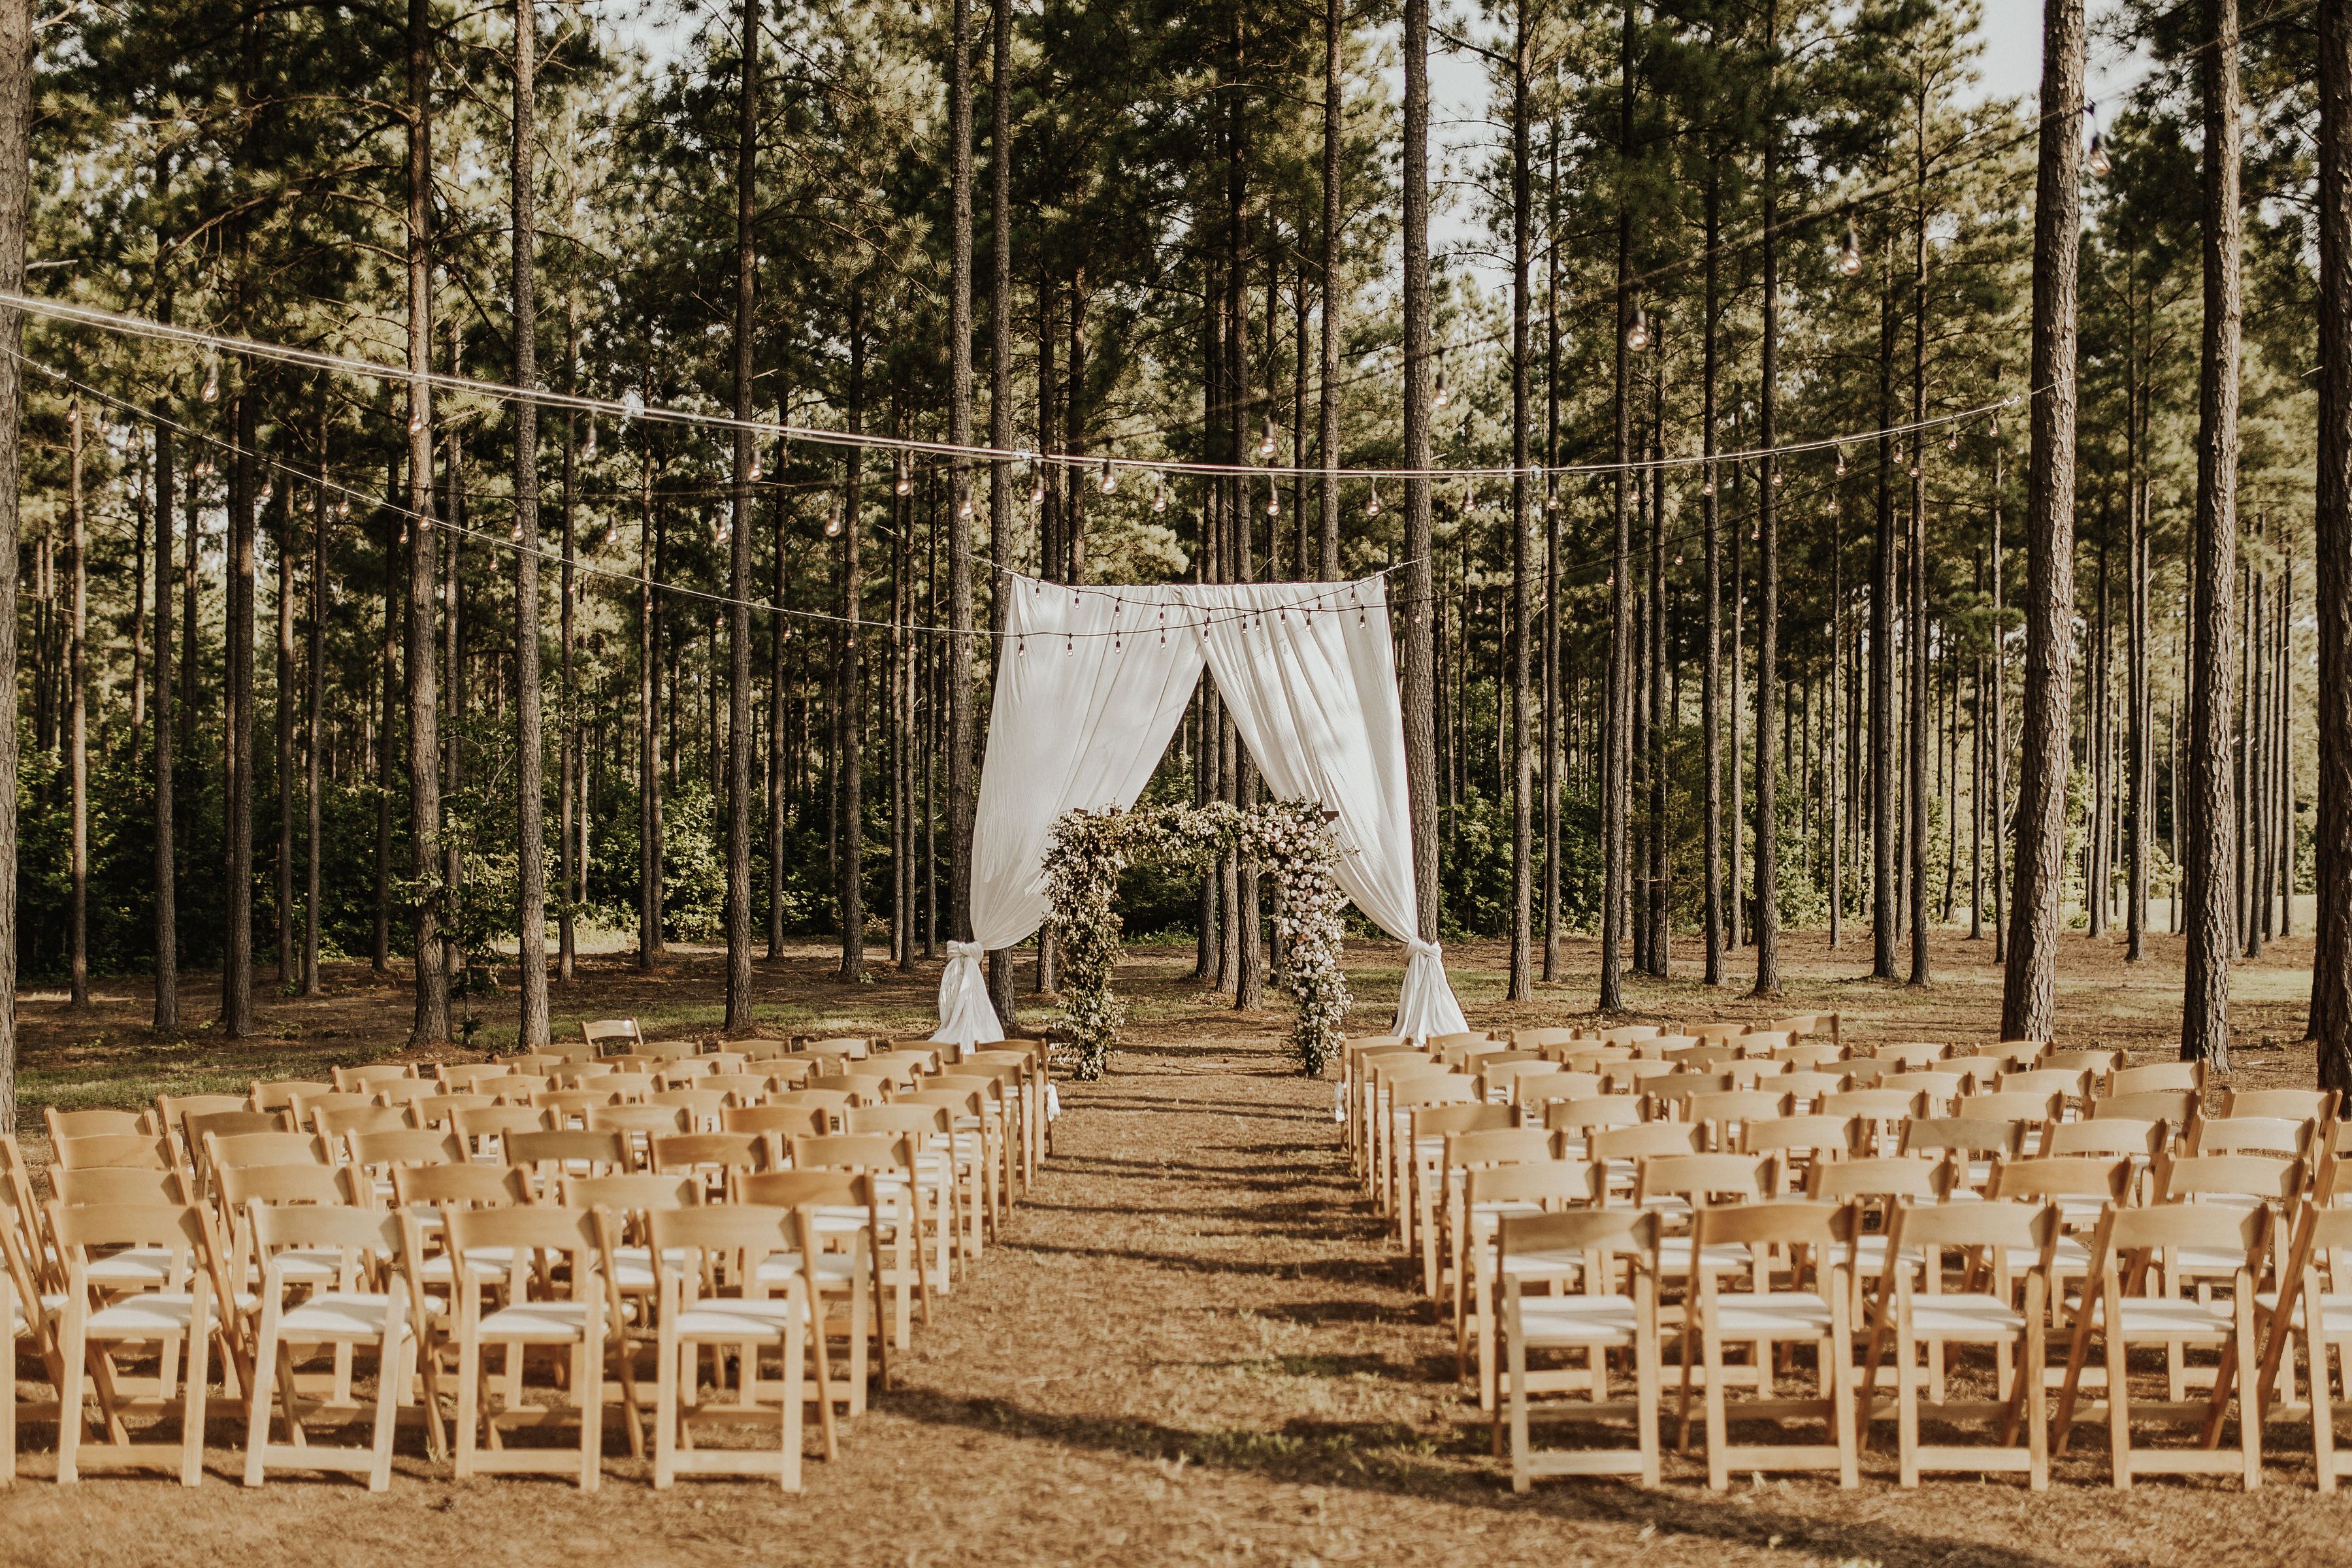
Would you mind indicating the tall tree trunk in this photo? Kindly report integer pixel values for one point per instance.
(2205, 1002)
(283, 715)
(961, 721)
(314, 708)
(78, 698)
(738, 915)
(849, 689)
(1522, 981)
(390, 684)
(571, 816)
(1768, 549)
(1711, 675)
(1419, 677)
(1884, 910)
(1327, 397)
(1998, 769)
(1000, 404)
(1617, 765)
(777, 550)
(432, 1020)
(1555, 694)
(15, 198)
(650, 776)
(1660, 754)
(2137, 815)
(530, 752)
(1917, 787)
(236, 958)
(165, 872)
(2030, 992)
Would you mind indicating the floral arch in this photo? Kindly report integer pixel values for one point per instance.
(1290, 840)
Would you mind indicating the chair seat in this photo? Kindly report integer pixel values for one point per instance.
(632, 1267)
(2207, 1262)
(1965, 1315)
(310, 1266)
(1542, 1266)
(2334, 1310)
(729, 1318)
(831, 1268)
(1674, 1256)
(154, 1314)
(2167, 1318)
(1869, 1256)
(132, 1268)
(483, 1265)
(1778, 1315)
(1577, 1319)
(2072, 1256)
(337, 1315)
(537, 1323)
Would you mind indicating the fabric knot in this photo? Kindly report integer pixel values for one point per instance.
(1420, 949)
(967, 950)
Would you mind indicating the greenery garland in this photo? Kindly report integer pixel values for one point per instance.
(1087, 850)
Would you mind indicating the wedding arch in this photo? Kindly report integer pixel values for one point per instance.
(1091, 683)
(1288, 839)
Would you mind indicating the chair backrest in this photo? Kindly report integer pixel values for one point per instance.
(1629, 1034)
(173, 1110)
(102, 1122)
(199, 1126)
(115, 1184)
(702, 1106)
(1440, 1044)
(1912, 1054)
(480, 1125)
(1628, 1076)
(131, 1151)
(1810, 1084)
(526, 1238)
(286, 1184)
(336, 1125)
(367, 1080)
(1835, 1137)
(1875, 1104)
(440, 1109)
(2108, 1135)
(2001, 1228)
(2149, 1076)
(758, 1050)
(918, 1121)
(716, 1153)
(1498, 1146)
(1884, 1176)
(2172, 1106)
(629, 1088)
(1576, 1233)
(1475, 1116)
(1439, 1088)
(2019, 1054)
(363, 1237)
(308, 1107)
(2287, 1104)
(864, 1153)
(1700, 1058)
(744, 1088)
(2061, 1176)
(570, 1151)
(654, 1121)
(600, 1033)
(1723, 1031)
(459, 1185)
(1677, 1088)
(631, 1195)
(1746, 1107)
(1782, 1222)
(277, 1094)
(405, 1146)
(1809, 1054)
(729, 1238)
(1704, 1178)
(781, 1120)
(1978, 1073)
(267, 1149)
(790, 1189)
(1651, 1140)
(2098, 1062)
(1536, 1039)
(1580, 1117)
(2185, 1178)
(2207, 1227)
(668, 1050)
(2252, 1135)
(1940, 1088)
(1963, 1136)
(178, 1228)
(1553, 1182)
(1551, 1087)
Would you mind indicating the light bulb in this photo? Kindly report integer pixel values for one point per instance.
(1551, 503)
(1037, 493)
(588, 450)
(1372, 505)
(1848, 261)
(1678, 560)
(964, 511)
(212, 382)
(268, 491)
(1777, 478)
(1273, 507)
(2095, 160)
(342, 509)
(1637, 336)
(1707, 489)
(905, 485)
(1445, 394)
(1265, 444)
(1109, 477)
(416, 422)
(1952, 443)
(756, 470)
(1160, 498)
(1832, 506)
(832, 526)
(1841, 464)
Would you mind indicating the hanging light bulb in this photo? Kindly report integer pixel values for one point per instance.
(342, 509)
(1552, 502)
(1109, 477)
(1707, 489)
(1840, 462)
(1777, 477)
(1952, 443)
(1372, 504)
(1444, 396)
(1272, 505)
(268, 491)
(964, 511)
(756, 470)
(1265, 443)
(1159, 496)
(1037, 492)
(904, 485)
(1849, 260)
(1637, 336)
(212, 382)
(416, 422)
(2095, 160)
(588, 449)
(832, 525)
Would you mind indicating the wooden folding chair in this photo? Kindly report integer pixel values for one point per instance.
(1493, 1192)
(2303, 1303)
(949, 1209)
(1726, 1119)
(1811, 1240)
(368, 1080)
(98, 1122)
(1983, 1311)
(1912, 1054)
(713, 1161)
(1975, 1145)
(1799, 1142)
(1600, 1244)
(551, 1155)
(900, 1258)
(601, 1035)
(113, 1150)
(554, 1301)
(29, 1317)
(370, 1301)
(279, 1094)
(2129, 1302)
(711, 1244)
(1442, 1238)
(2152, 1076)
(485, 1130)
(1882, 1113)
(839, 1213)
(1424, 1154)
(94, 1323)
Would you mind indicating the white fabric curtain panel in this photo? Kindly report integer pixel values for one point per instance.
(1092, 682)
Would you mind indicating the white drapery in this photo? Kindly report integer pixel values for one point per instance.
(1091, 683)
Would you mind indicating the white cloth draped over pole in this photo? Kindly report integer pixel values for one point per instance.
(1092, 682)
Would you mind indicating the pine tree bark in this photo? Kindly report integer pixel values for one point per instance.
(2211, 802)
(1885, 912)
(15, 198)
(391, 689)
(1711, 511)
(1327, 396)
(1418, 682)
(530, 755)
(2030, 990)
(431, 1025)
(314, 706)
(739, 804)
(1000, 407)
(960, 718)
(1768, 549)
(166, 1017)
(848, 686)
(1522, 977)
(77, 719)
(282, 918)
(237, 957)
(571, 765)
(1617, 763)
(1917, 789)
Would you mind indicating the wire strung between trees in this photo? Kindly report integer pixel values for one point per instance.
(634, 407)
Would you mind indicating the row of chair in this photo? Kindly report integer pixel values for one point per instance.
(1467, 1159)
(183, 1234)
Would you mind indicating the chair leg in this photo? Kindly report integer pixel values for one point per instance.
(1719, 1423)
(259, 1389)
(1906, 1405)
(2250, 1418)
(2037, 1408)
(1515, 1353)
(670, 1355)
(590, 1395)
(394, 1366)
(2120, 1443)
(191, 1407)
(1646, 1398)
(795, 1393)
(2322, 1388)
(469, 1393)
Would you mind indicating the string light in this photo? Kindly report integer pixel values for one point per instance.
(756, 470)
(1272, 504)
(964, 511)
(1265, 444)
(1841, 464)
(1444, 396)
(268, 491)
(1707, 489)
(342, 509)
(2095, 158)
(1848, 261)
(1159, 496)
(1637, 336)
(1372, 504)
(832, 525)
(588, 452)
(1036, 491)
(903, 486)
(211, 393)
(1109, 477)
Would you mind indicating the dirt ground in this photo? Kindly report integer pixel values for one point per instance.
(1195, 1343)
